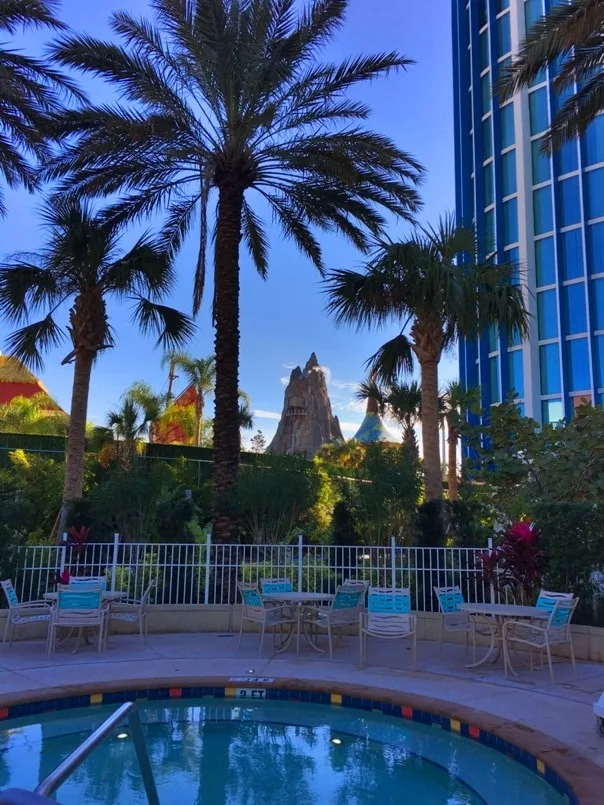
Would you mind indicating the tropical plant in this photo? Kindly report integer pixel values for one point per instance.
(201, 375)
(258, 442)
(522, 560)
(130, 424)
(231, 96)
(81, 264)
(246, 415)
(457, 402)
(30, 90)
(35, 414)
(435, 287)
(402, 402)
(569, 41)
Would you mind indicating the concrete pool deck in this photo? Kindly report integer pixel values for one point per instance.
(554, 722)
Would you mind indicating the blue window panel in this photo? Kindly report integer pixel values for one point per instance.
(552, 411)
(595, 193)
(543, 210)
(510, 222)
(549, 367)
(594, 142)
(533, 10)
(567, 158)
(489, 185)
(485, 92)
(493, 338)
(512, 256)
(482, 13)
(598, 303)
(508, 173)
(516, 371)
(484, 50)
(578, 365)
(547, 315)
(521, 409)
(570, 202)
(595, 248)
(501, 5)
(487, 138)
(575, 313)
(504, 36)
(541, 163)
(489, 231)
(494, 379)
(506, 118)
(544, 262)
(599, 345)
(538, 111)
(571, 254)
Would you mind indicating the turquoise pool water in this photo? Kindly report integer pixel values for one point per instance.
(270, 753)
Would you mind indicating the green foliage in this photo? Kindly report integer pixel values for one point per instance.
(469, 519)
(430, 524)
(30, 493)
(343, 525)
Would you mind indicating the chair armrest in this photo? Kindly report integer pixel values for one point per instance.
(525, 626)
(39, 604)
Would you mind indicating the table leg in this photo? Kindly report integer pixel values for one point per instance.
(493, 652)
(285, 644)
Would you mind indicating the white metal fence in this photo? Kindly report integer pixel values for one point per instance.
(208, 573)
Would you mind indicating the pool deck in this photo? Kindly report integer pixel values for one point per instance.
(554, 721)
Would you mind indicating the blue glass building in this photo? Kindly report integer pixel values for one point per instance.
(545, 213)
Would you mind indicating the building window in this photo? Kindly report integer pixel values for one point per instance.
(504, 37)
(541, 166)
(508, 173)
(599, 345)
(575, 312)
(518, 275)
(516, 371)
(595, 193)
(489, 231)
(489, 193)
(547, 315)
(487, 138)
(594, 142)
(542, 210)
(551, 411)
(571, 254)
(501, 5)
(538, 111)
(493, 338)
(485, 92)
(549, 366)
(494, 379)
(578, 364)
(595, 248)
(598, 304)
(510, 222)
(482, 13)
(506, 118)
(570, 202)
(567, 158)
(544, 262)
(533, 10)
(484, 50)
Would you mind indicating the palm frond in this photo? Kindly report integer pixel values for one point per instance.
(173, 328)
(26, 287)
(392, 360)
(28, 343)
(256, 239)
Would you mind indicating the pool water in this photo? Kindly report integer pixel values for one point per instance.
(269, 753)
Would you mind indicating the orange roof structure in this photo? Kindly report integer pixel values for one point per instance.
(172, 433)
(16, 380)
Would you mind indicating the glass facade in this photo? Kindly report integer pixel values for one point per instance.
(544, 212)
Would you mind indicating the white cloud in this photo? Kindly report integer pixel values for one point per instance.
(350, 427)
(327, 372)
(284, 381)
(289, 365)
(345, 385)
(260, 414)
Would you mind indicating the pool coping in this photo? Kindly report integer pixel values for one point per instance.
(572, 774)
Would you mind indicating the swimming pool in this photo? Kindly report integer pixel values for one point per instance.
(219, 752)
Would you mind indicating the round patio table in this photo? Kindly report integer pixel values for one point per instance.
(501, 613)
(107, 596)
(297, 601)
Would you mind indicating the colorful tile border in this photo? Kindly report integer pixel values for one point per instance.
(403, 712)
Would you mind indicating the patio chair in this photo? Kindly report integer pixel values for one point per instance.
(344, 610)
(547, 600)
(266, 615)
(88, 582)
(131, 610)
(271, 586)
(78, 609)
(450, 601)
(554, 632)
(22, 614)
(388, 617)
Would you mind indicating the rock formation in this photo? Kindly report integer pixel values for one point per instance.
(307, 421)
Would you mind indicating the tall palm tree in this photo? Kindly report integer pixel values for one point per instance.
(457, 402)
(81, 265)
(35, 414)
(30, 89)
(570, 39)
(434, 287)
(159, 412)
(201, 374)
(402, 402)
(232, 96)
(131, 425)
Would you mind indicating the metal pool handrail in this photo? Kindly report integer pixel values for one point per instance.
(76, 758)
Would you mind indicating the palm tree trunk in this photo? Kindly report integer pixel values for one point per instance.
(452, 463)
(76, 440)
(429, 378)
(226, 393)
(198, 419)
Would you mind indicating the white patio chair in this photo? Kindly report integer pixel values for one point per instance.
(344, 610)
(547, 600)
(131, 610)
(78, 609)
(88, 582)
(543, 635)
(272, 586)
(450, 601)
(266, 615)
(22, 614)
(388, 617)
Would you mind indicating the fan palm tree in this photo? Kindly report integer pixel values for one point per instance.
(457, 402)
(402, 402)
(231, 96)
(81, 265)
(30, 89)
(35, 414)
(201, 374)
(434, 287)
(570, 39)
(131, 425)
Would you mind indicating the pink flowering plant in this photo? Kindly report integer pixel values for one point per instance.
(518, 562)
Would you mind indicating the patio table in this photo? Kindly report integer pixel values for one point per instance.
(501, 613)
(108, 597)
(297, 601)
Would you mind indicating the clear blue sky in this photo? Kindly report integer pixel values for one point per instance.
(282, 319)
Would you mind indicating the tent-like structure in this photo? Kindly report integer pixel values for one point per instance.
(372, 427)
(17, 381)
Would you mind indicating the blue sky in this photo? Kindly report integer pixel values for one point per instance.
(282, 319)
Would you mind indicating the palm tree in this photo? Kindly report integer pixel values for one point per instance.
(568, 39)
(35, 414)
(201, 374)
(246, 415)
(30, 89)
(434, 287)
(232, 97)
(457, 402)
(402, 402)
(131, 425)
(81, 265)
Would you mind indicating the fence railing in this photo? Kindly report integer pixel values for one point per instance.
(208, 573)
